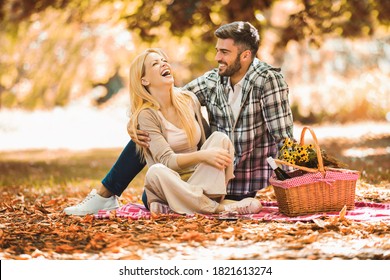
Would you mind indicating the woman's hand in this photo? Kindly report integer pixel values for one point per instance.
(217, 157)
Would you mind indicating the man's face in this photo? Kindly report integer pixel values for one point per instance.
(228, 57)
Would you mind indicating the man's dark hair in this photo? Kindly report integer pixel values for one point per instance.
(243, 34)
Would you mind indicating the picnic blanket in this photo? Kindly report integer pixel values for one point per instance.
(364, 211)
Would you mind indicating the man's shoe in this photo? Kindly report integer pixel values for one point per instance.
(246, 206)
(160, 208)
(92, 204)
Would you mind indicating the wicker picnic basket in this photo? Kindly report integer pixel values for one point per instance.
(312, 190)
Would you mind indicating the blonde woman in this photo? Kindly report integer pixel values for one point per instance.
(186, 173)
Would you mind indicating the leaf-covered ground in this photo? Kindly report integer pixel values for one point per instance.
(36, 185)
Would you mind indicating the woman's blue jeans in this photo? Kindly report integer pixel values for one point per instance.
(127, 166)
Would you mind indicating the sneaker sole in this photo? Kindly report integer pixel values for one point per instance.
(89, 213)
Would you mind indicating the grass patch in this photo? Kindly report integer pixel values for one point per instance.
(61, 171)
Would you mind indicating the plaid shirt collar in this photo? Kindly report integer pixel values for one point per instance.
(255, 69)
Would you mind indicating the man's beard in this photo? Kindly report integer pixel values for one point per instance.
(232, 69)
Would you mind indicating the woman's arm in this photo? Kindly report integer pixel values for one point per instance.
(217, 157)
(161, 151)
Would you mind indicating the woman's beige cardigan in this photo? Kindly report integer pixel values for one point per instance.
(159, 150)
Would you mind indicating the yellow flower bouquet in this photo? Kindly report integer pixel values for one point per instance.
(305, 155)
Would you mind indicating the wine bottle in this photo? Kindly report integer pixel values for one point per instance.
(279, 172)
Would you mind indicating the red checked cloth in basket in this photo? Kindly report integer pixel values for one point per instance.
(330, 178)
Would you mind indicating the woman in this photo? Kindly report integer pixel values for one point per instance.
(180, 177)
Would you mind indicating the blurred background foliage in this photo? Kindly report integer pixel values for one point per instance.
(334, 54)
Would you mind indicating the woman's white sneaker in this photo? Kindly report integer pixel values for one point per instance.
(246, 206)
(92, 204)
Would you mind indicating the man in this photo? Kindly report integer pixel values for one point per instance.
(245, 98)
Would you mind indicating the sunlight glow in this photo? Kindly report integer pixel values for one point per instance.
(260, 17)
(365, 152)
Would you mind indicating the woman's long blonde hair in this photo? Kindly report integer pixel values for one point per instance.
(141, 99)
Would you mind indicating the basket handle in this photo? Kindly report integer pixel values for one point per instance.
(316, 146)
(318, 151)
(304, 168)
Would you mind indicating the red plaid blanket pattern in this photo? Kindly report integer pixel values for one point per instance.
(364, 211)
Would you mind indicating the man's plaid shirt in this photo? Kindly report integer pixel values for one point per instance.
(264, 120)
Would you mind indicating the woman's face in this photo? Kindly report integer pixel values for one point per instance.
(157, 71)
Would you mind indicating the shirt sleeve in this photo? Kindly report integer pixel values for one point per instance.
(276, 107)
(200, 86)
(159, 149)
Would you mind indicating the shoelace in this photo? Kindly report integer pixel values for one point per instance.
(89, 196)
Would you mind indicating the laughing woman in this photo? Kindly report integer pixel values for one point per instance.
(186, 173)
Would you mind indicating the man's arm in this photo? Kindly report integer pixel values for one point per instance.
(276, 107)
(201, 86)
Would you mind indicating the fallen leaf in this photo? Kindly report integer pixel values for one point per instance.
(343, 212)
(192, 236)
(319, 223)
(64, 249)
